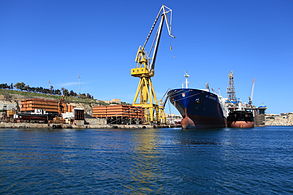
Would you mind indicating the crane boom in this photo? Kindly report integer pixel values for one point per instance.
(163, 14)
(164, 10)
(158, 38)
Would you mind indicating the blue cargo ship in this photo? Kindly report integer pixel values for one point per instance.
(199, 108)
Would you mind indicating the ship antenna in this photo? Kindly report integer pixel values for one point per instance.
(186, 79)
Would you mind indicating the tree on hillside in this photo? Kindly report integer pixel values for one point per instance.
(26, 88)
(58, 92)
(82, 95)
(72, 93)
(23, 87)
(65, 92)
(20, 85)
(51, 89)
(89, 96)
(4, 86)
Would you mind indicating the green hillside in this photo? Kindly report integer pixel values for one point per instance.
(13, 94)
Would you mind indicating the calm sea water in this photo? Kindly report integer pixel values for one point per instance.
(147, 161)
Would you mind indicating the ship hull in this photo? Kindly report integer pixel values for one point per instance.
(241, 124)
(240, 119)
(199, 108)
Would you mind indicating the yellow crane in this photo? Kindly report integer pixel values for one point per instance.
(145, 95)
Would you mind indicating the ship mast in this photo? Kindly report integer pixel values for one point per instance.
(186, 80)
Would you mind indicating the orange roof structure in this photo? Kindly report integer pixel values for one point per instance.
(127, 111)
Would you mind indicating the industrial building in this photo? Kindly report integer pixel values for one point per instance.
(7, 109)
(119, 114)
(283, 119)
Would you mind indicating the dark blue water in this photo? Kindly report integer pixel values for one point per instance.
(154, 161)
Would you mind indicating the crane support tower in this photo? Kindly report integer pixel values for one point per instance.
(231, 89)
(145, 95)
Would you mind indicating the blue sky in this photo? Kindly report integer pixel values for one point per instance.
(57, 40)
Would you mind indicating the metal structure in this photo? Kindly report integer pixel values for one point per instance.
(50, 106)
(145, 69)
(119, 114)
(251, 93)
(186, 79)
(231, 89)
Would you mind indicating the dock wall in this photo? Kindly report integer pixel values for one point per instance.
(67, 126)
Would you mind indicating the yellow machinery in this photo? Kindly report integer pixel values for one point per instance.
(145, 95)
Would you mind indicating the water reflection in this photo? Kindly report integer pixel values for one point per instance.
(201, 137)
(150, 161)
(37, 148)
(146, 169)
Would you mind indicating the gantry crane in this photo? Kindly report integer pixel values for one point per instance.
(145, 95)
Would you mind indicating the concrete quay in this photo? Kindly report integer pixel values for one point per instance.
(67, 126)
(23, 125)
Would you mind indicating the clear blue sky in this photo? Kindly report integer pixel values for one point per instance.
(57, 40)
